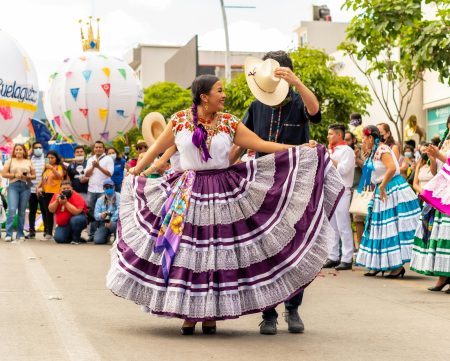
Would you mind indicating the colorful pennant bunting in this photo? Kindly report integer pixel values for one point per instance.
(103, 113)
(87, 74)
(121, 112)
(74, 92)
(69, 74)
(105, 136)
(84, 111)
(123, 73)
(86, 137)
(106, 88)
(58, 120)
(68, 115)
(107, 71)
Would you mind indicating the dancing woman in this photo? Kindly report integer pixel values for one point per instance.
(431, 251)
(215, 242)
(393, 212)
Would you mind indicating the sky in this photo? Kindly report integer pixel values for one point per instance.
(49, 32)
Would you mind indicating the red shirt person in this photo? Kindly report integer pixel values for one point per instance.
(70, 211)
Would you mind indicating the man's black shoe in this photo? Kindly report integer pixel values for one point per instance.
(31, 235)
(268, 327)
(330, 264)
(344, 266)
(295, 323)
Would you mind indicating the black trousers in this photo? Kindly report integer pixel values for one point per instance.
(291, 305)
(47, 216)
(33, 204)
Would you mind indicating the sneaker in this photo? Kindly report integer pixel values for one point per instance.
(75, 242)
(19, 240)
(48, 237)
(268, 327)
(8, 239)
(31, 235)
(295, 323)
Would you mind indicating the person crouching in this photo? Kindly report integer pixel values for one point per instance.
(106, 212)
(70, 211)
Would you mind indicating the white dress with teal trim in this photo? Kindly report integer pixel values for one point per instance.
(390, 225)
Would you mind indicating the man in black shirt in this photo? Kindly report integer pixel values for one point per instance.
(76, 172)
(288, 123)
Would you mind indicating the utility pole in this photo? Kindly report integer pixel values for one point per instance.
(227, 40)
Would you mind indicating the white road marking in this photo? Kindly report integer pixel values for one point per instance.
(75, 343)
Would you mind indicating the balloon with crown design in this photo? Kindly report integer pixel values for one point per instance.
(93, 96)
(18, 89)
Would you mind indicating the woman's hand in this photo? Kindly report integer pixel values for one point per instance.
(383, 195)
(432, 151)
(132, 171)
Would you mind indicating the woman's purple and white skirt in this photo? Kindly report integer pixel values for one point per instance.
(253, 235)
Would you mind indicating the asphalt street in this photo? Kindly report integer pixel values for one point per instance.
(55, 307)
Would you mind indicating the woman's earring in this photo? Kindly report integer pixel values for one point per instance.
(206, 107)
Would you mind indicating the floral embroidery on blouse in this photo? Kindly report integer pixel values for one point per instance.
(381, 150)
(226, 123)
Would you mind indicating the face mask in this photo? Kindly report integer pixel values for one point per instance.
(79, 158)
(37, 152)
(67, 193)
(109, 191)
(113, 156)
(408, 154)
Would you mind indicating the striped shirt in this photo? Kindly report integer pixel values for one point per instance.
(39, 165)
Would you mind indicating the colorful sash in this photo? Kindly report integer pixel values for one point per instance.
(173, 215)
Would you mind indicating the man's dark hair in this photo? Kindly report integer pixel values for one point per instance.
(281, 56)
(79, 147)
(100, 142)
(35, 143)
(351, 134)
(337, 127)
(355, 116)
(66, 182)
(411, 142)
(436, 140)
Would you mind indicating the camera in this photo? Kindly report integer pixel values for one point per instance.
(108, 216)
(62, 196)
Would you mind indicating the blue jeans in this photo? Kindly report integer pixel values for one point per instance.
(18, 196)
(91, 201)
(290, 305)
(72, 231)
(102, 233)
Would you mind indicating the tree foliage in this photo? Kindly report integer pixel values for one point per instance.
(165, 98)
(398, 45)
(338, 96)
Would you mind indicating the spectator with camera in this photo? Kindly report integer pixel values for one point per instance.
(69, 208)
(76, 172)
(106, 212)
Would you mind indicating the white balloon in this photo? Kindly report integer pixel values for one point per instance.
(18, 89)
(93, 97)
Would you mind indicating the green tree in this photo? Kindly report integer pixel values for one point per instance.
(165, 98)
(398, 45)
(338, 95)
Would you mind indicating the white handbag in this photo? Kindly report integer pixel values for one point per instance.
(360, 202)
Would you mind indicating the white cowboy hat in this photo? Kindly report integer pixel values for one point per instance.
(152, 127)
(264, 85)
